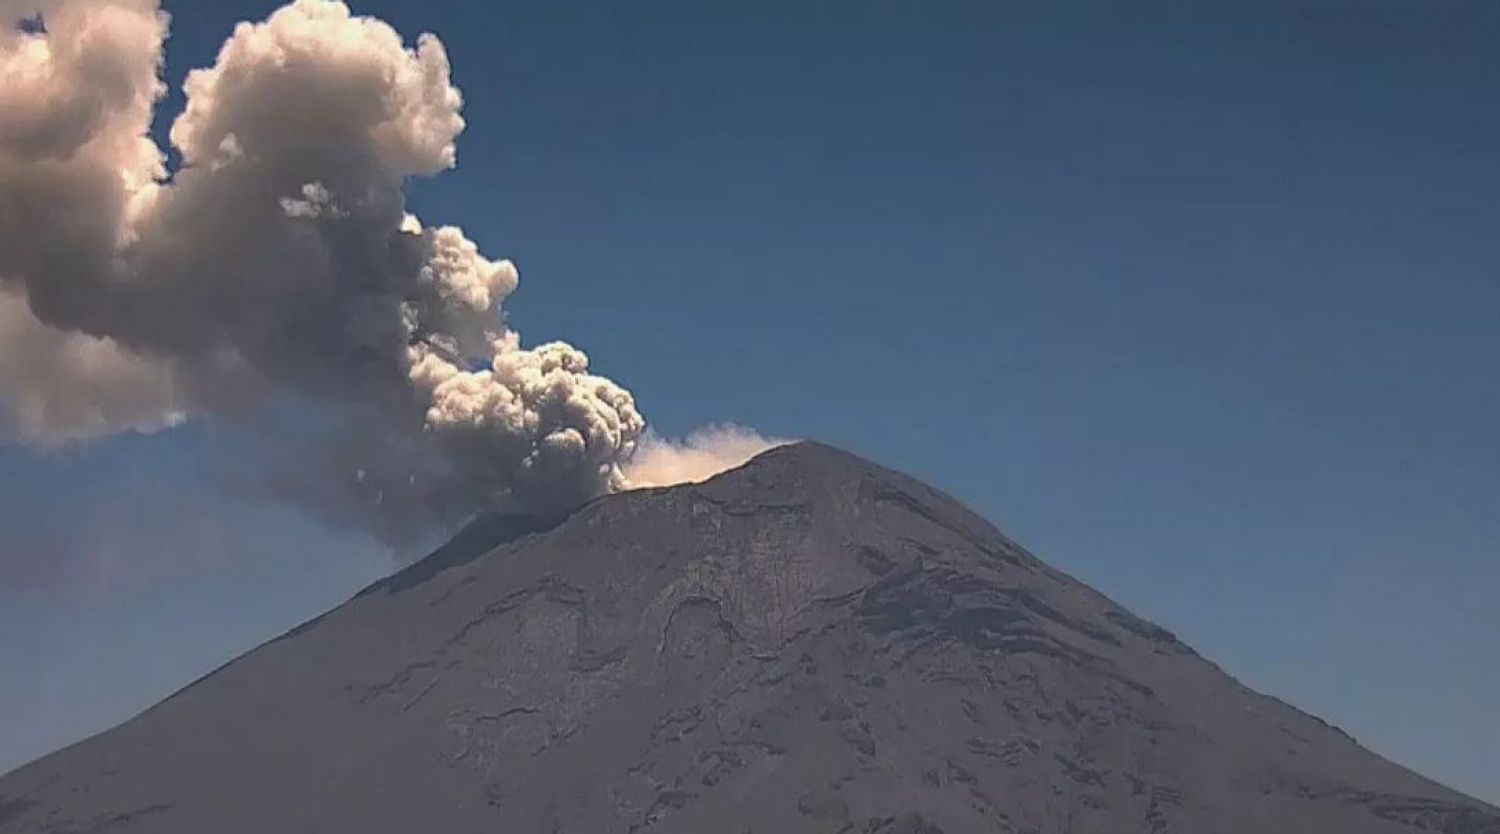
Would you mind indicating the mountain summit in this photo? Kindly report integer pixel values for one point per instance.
(809, 643)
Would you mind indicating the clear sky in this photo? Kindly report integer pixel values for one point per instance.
(1202, 303)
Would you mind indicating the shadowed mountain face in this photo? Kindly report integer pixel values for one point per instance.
(807, 644)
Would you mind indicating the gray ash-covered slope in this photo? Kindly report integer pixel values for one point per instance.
(807, 644)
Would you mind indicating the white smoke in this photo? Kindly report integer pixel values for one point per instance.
(704, 453)
(278, 265)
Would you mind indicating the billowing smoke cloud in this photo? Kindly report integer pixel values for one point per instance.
(276, 278)
(64, 385)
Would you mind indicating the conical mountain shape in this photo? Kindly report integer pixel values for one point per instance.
(810, 643)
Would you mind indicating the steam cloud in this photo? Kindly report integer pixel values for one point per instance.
(701, 455)
(277, 266)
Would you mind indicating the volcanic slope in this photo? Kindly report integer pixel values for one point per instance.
(809, 643)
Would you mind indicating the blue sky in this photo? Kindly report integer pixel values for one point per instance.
(1201, 303)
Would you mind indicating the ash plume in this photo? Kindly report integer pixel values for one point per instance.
(276, 280)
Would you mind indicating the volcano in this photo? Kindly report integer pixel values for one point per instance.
(809, 643)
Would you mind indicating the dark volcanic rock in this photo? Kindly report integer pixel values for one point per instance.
(807, 644)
